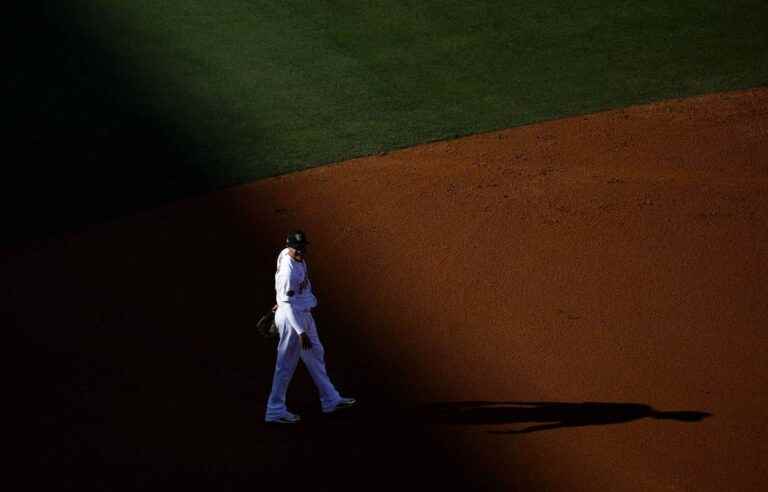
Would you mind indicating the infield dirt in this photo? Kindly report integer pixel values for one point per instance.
(619, 257)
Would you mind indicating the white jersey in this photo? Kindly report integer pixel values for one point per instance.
(292, 284)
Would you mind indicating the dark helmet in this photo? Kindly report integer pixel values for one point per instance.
(296, 240)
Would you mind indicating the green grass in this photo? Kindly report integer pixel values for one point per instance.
(290, 84)
(237, 90)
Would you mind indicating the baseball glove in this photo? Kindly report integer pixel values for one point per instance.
(266, 326)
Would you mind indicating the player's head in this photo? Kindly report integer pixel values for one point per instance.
(298, 241)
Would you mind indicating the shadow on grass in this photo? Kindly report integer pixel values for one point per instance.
(89, 135)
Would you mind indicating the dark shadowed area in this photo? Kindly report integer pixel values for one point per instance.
(138, 364)
(87, 139)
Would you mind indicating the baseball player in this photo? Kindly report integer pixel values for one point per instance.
(298, 334)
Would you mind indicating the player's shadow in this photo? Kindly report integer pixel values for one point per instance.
(543, 416)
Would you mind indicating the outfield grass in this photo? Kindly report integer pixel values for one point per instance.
(190, 95)
(290, 84)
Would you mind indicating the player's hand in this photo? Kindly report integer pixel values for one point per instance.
(274, 308)
(306, 343)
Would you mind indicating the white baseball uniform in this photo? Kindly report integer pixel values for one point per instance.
(293, 317)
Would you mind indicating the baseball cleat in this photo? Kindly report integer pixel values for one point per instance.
(343, 403)
(286, 418)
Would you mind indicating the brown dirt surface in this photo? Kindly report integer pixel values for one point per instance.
(618, 258)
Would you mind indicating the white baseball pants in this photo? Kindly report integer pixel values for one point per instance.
(289, 351)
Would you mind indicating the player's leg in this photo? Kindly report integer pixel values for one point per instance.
(314, 359)
(288, 348)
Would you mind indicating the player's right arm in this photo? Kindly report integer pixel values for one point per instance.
(287, 282)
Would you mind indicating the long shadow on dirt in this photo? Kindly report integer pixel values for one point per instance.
(551, 415)
(539, 416)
